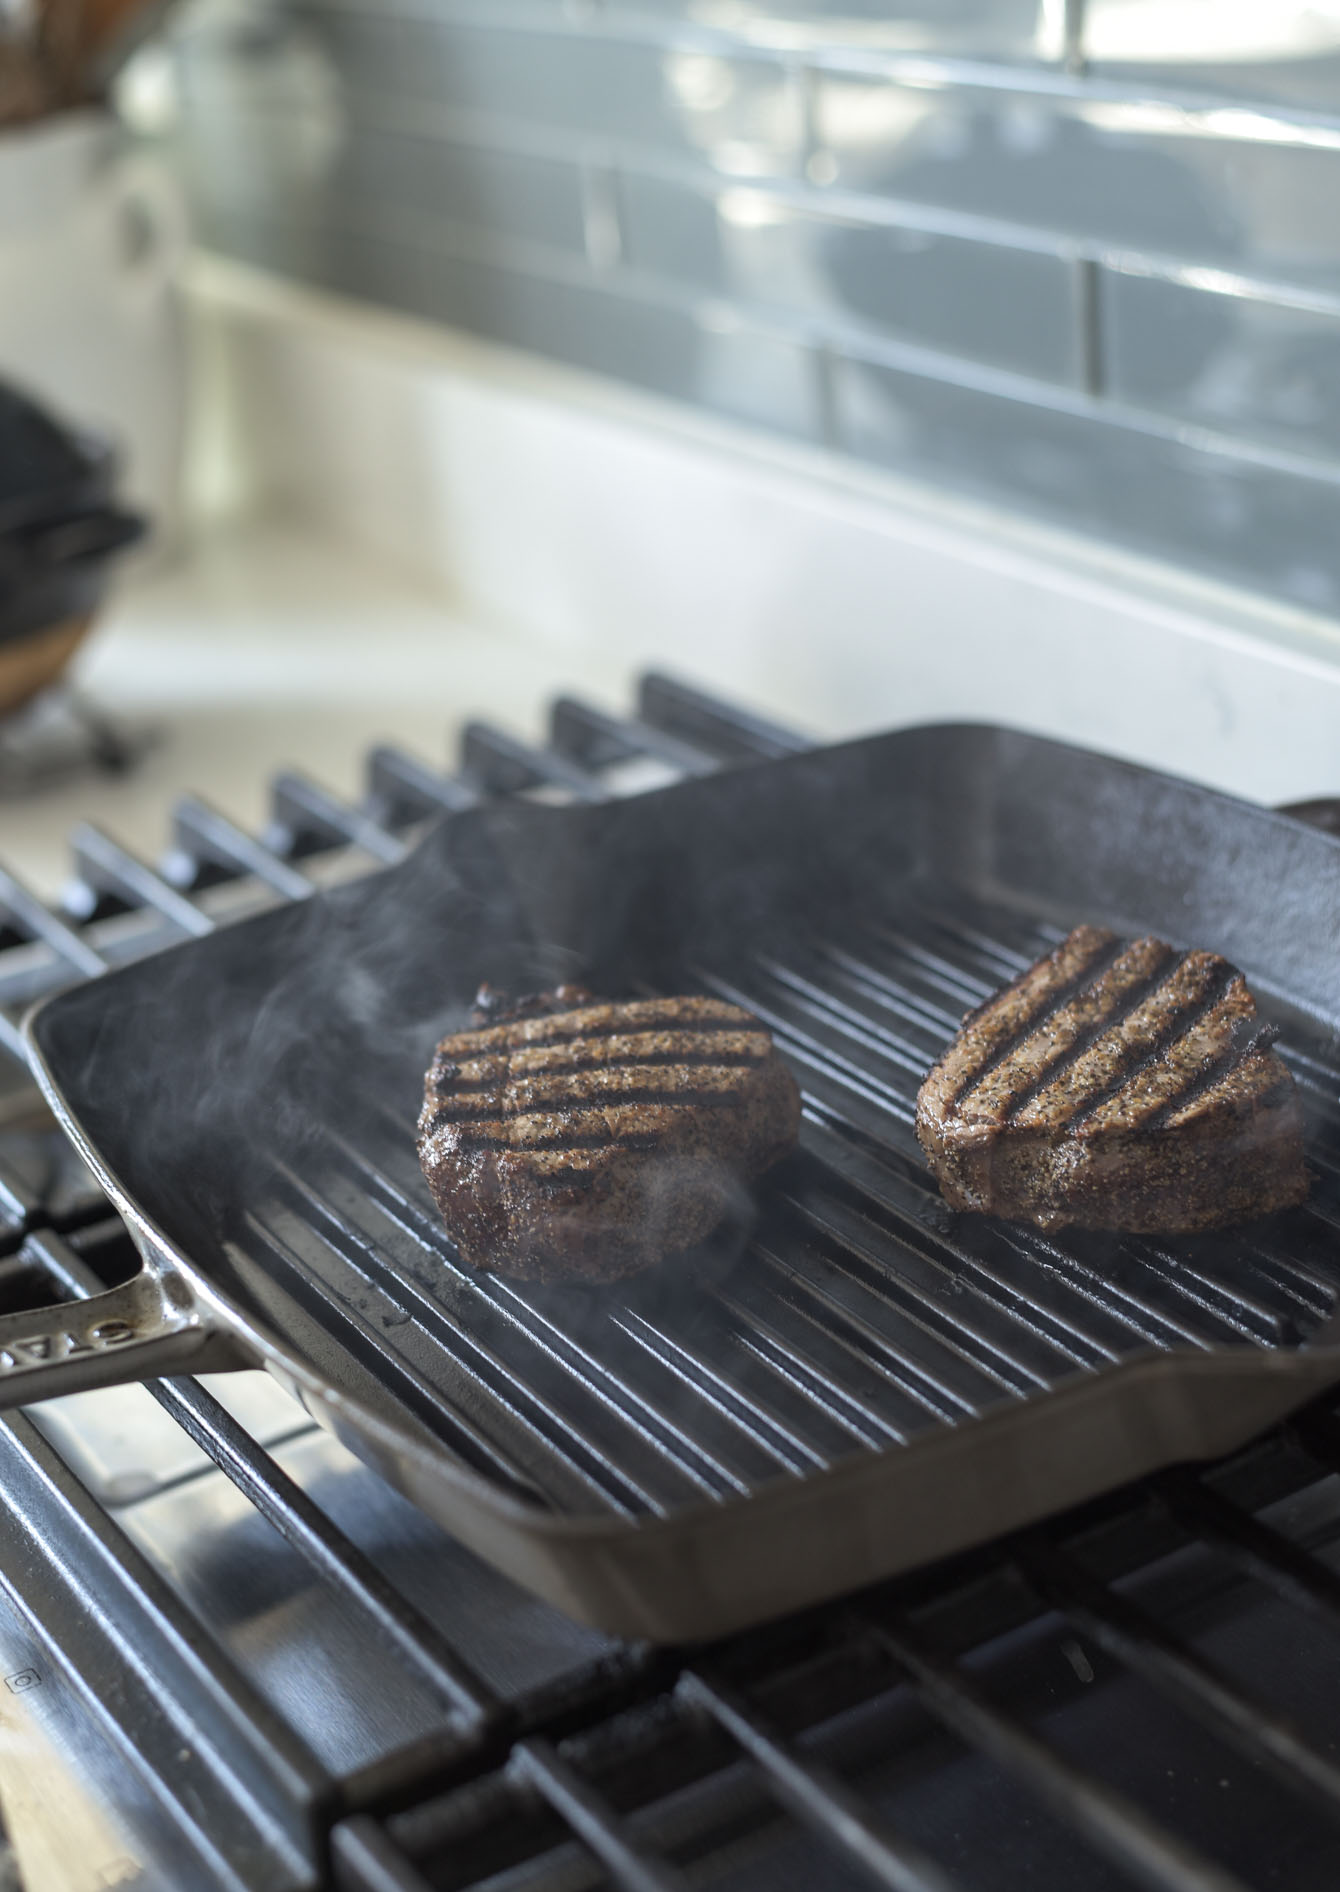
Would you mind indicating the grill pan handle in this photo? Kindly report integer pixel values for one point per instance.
(143, 1329)
(1323, 813)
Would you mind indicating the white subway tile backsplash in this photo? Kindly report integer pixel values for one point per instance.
(1025, 30)
(1095, 277)
(1010, 307)
(445, 181)
(739, 115)
(1247, 366)
(726, 366)
(1160, 490)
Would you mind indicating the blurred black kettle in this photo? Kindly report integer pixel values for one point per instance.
(60, 530)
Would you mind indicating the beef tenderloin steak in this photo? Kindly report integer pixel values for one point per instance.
(586, 1142)
(1116, 1086)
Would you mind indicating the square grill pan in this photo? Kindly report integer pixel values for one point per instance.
(850, 1380)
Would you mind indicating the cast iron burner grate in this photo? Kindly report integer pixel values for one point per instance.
(1141, 1693)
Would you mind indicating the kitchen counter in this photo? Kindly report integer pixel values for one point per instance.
(269, 647)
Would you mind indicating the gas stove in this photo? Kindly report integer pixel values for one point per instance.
(232, 1657)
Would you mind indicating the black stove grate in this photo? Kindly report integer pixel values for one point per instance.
(1100, 1703)
(1143, 1693)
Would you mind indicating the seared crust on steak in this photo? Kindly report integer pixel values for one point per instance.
(585, 1144)
(1116, 1086)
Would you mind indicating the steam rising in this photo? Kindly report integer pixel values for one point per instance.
(256, 1092)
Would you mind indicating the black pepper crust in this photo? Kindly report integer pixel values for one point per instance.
(587, 1142)
(1116, 1086)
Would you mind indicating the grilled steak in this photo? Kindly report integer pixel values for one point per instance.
(585, 1144)
(1116, 1086)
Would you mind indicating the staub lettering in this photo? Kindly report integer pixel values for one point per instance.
(42, 1348)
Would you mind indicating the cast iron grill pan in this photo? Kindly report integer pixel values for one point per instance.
(252, 1097)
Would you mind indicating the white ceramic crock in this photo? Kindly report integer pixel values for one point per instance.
(92, 234)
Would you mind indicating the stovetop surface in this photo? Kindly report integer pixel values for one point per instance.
(232, 1657)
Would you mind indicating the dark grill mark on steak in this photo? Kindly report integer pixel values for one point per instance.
(699, 1028)
(1104, 949)
(562, 1141)
(1248, 1044)
(477, 1044)
(1220, 977)
(1129, 1001)
(629, 1141)
(575, 1067)
(1125, 1071)
(1101, 1002)
(1116, 1087)
(602, 1105)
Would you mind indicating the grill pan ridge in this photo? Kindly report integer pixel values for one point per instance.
(850, 1380)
